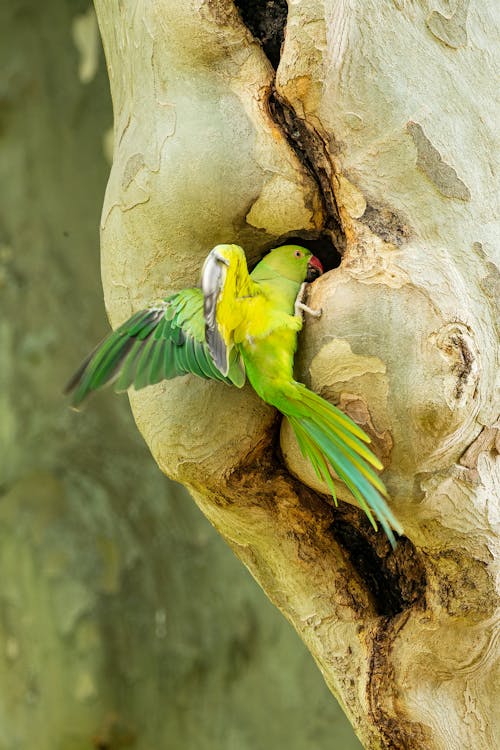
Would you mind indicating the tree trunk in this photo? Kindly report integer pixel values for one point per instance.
(374, 138)
(125, 622)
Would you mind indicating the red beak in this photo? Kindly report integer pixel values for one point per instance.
(314, 268)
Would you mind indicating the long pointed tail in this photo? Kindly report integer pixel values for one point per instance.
(331, 440)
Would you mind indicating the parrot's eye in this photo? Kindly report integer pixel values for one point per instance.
(298, 254)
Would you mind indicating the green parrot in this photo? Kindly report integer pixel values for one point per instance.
(238, 326)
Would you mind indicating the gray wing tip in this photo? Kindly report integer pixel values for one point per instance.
(213, 277)
(217, 349)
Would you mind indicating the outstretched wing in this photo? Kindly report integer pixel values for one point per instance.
(226, 284)
(159, 343)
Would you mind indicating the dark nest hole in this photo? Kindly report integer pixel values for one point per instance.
(395, 578)
(266, 19)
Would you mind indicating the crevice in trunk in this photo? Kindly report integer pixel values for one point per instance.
(312, 152)
(266, 20)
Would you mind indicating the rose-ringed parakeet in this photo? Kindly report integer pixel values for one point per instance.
(238, 326)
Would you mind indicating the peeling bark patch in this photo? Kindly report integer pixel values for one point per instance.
(451, 30)
(387, 224)
(396, 579)
(266, 19)
(133, 166)
(464, 365)
(488, 441)
(430, 162)
(456, 342)
(490, 284)
(478, 249)
(462, 585)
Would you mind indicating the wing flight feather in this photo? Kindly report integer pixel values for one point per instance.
(161, 342)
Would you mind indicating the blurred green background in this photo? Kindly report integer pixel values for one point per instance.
(125, 621)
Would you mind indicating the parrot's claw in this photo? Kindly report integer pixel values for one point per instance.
(300, 307)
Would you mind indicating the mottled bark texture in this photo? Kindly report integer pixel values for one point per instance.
(125, 621)
(376, 133)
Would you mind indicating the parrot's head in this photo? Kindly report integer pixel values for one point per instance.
(295, 263)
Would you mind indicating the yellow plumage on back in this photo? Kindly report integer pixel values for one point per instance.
(228, 290)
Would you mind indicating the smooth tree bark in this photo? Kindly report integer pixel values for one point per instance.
(372, 132)
(125, 622)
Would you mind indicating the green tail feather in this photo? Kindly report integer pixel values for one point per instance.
(330, 440)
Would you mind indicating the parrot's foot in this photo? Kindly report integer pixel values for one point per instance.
(299, 306)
